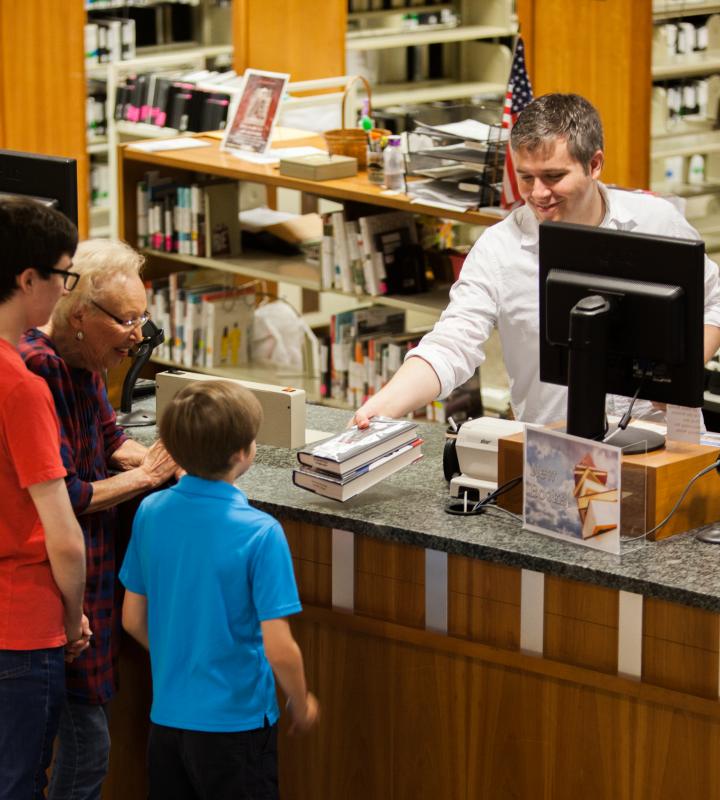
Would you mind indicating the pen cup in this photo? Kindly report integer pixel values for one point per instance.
(375, 171)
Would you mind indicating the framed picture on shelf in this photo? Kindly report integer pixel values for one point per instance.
(255, 111)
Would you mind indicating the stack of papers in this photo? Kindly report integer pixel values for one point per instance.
(349, 463)
(467, 129)
(466, 159)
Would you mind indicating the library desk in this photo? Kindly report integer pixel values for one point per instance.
(463, 658)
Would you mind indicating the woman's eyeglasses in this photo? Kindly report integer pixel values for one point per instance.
(126, 323)
(70, 279)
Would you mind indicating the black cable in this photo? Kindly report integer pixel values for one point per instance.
(627, 416)
(462, 509)
(704, 471)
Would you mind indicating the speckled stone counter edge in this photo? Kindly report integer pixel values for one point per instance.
(409, 508)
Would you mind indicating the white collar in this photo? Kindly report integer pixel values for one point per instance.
(616, 216)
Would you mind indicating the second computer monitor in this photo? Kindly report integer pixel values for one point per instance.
(49, 179)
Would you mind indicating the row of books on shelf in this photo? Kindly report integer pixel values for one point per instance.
(375, 254)
(109, 39)
(207, 317)
(348, 463)
(199, 219)
(183, 101)
(99, 185)
(360, 351)
(378, 5)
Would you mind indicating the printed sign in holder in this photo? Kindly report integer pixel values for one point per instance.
(582, 492)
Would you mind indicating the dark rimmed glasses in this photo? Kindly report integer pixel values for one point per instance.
(126, 323)
(70, 279)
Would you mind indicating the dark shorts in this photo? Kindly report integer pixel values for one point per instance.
(195, 765)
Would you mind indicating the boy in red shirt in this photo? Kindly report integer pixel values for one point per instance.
(42, 553)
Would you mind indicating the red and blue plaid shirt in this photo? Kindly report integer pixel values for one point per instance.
(89, 435)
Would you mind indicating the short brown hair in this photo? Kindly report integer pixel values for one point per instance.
(567, 116)
(206, 423)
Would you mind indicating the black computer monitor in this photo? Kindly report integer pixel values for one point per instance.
(49, 179)
(620, 311)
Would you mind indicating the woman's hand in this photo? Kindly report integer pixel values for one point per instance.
(158, 464)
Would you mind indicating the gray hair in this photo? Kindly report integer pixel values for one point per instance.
(568, 116)
(98, 262)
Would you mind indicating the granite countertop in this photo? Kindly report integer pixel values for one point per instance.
(409, 507)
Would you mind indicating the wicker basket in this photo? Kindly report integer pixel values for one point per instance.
(351, 141)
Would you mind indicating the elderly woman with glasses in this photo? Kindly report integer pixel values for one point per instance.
(93, 328)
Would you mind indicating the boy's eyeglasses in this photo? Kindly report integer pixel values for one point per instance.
(70, 279)
(126, 323)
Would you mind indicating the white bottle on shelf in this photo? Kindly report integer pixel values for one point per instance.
(394, 165)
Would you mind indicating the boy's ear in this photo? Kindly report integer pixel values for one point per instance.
(24, 281)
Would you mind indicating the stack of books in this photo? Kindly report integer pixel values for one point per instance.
(351, 462)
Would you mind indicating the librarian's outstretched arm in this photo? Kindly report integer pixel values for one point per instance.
(414, 385)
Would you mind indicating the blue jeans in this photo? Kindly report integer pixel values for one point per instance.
(82, 752)
(32, 688)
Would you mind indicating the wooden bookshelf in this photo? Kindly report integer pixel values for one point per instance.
(185, 165)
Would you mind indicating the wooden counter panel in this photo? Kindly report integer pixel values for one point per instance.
(408, 714)
(484, 602)
(680, 647)
(499, 701)
(390, 581)
(581, 624)
(129, 725)
(483, 620)
(392, 725)
(690, 670)
(311, 549)
(483, 579)
(695, 627)
(397, 561)
(581, 601)
(581, 643)
(387, 599)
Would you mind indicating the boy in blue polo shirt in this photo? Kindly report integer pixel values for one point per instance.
(209, 583)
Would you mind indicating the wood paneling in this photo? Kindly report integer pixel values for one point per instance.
(680, 647)
(484, 602)
(601, 50)
(305, 40)
(391, 717)
(581, 624)
(129, 725)
(311, 548)
(42, 83)
(390, 581)
(411, 714)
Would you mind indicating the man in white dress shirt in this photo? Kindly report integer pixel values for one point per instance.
(557, 145)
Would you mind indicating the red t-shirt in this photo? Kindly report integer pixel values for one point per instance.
(31, 608)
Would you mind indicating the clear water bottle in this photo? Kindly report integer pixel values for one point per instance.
(394, 165)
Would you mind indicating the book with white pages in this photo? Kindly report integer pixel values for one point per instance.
(348, 486)
(355, 448)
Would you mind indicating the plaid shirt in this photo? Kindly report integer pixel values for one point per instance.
(88, 437)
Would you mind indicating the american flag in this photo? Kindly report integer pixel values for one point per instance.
(518, 95)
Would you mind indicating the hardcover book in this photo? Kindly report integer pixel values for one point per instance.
(344, 487)
(354, 448)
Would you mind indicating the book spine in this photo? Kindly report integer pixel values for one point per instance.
(327, 254)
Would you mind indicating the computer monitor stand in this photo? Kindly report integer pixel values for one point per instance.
(587, 354)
